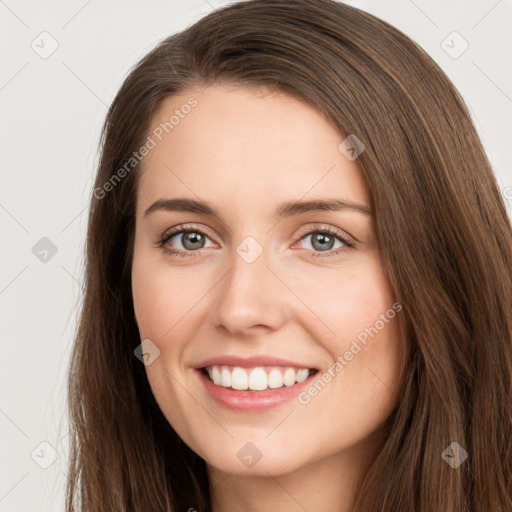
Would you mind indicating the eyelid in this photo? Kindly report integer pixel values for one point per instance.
(184, 228)
(329, 229)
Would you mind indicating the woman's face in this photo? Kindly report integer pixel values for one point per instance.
(258, 292)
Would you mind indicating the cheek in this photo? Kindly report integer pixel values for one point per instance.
(347, 301)
(357, 307)
(161, 296)
(359, 390)
(160, 300)
(150, 304)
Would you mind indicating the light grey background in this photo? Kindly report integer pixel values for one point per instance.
(52, 110)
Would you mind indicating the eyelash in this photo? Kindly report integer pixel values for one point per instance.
(348, 244)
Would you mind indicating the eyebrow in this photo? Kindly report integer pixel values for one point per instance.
(286, 209)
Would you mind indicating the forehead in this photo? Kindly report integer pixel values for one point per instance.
(245, 146)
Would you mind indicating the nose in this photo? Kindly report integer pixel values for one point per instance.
(251, 298)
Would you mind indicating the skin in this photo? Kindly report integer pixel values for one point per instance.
(246, 151)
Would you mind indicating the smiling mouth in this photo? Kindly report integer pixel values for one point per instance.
(260, 378)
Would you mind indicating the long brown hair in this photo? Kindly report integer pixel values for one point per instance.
(445, 238)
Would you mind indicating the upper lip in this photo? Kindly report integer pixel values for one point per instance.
(250, 362)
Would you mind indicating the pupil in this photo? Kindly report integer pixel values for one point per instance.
(326, 241)
(192, 240)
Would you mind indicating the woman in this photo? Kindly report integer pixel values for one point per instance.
(298, 276)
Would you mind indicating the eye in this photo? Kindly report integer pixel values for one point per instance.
(191, 239)
(323, 240)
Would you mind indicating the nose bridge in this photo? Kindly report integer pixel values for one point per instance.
(247, 296)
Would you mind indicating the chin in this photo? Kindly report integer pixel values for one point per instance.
(255, 458)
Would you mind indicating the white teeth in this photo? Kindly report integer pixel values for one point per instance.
(289, 377)
(239, 379)
(226, 378)
(302, 375)
(216, 375)
(275, 379)
(256, 379)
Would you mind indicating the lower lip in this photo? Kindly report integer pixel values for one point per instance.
(252, 400)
